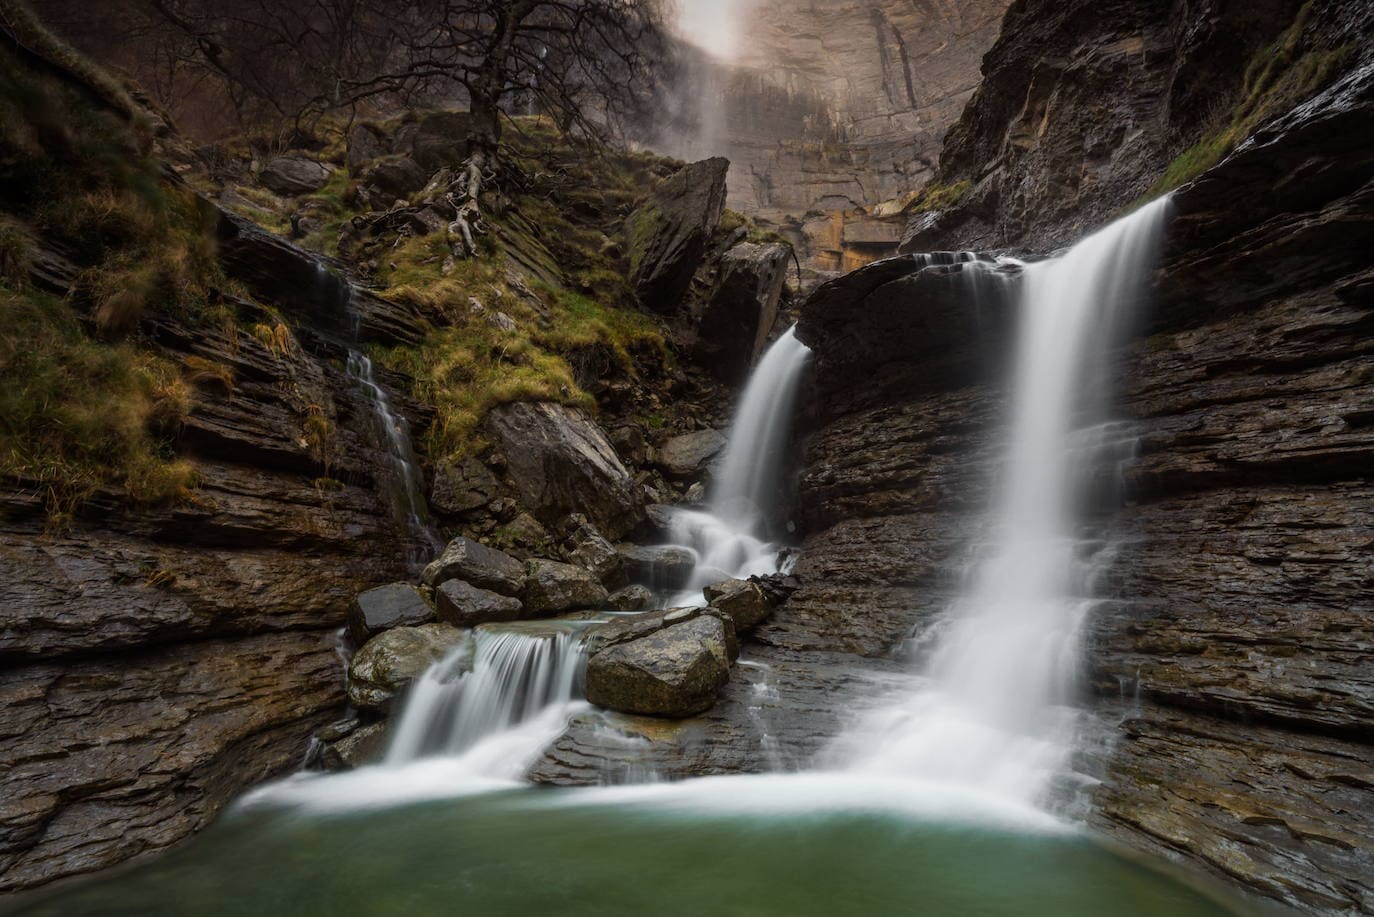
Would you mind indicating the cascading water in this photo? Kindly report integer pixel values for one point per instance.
(495, 704)
(991, 713)
(730, 537)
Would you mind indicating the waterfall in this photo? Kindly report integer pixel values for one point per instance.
(407, 491)
(992, 710)
(730, 537)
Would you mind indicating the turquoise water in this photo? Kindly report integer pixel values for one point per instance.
(644, 852)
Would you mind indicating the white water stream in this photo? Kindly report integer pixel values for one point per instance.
(731, 537)
(992, 710)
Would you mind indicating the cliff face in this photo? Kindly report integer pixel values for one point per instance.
(1230, 671)
(838, 108)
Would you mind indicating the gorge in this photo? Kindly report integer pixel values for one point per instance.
(622, 565)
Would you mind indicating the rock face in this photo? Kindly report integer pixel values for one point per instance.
(673, 672)
(475, 563)
(552, 588)
(463, 605)
(560, 462)
(385, 667)
(669, 232)
(182, 653)
(742, 309)
(385, 607)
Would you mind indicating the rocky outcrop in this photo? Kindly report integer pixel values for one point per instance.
(292, 175)
(742, 309)
(669, 232)
(560, 462)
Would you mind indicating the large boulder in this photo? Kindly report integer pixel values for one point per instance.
(464, 605)
(393, 605)
(477, 564)
(661, 566)
(669, 232)
(386, 666)
(552, 588)
(365, 745)
(559, 462)
(435, 140)
(292, 175)
(738, 315)
(744, 602)
(366, 142)
(393, 179)
(631, 598)
(673, 672)
(687, 456)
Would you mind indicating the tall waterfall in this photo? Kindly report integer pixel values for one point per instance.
(731, 537)
(992, 711)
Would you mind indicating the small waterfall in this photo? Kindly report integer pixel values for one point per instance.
(730, 538)
(407, 492)
(496, 705)
(992, 711)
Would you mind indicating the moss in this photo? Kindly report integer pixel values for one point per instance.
(939, 196)
(1277, 78)
(78, 414)
(643, 224)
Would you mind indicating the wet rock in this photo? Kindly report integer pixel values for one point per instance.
(586, 548)
(477, 564)
(740, 311)
(688, 455)
(385, 607)
(674, 672)
(464, 605)
(292, 175)
(668, 234)
(559, 462)
(743, 601)
(463, 487)
(631, 598)
(660, 566)
(632, 627)
(364, 746)
(552, 588)
(385, 667)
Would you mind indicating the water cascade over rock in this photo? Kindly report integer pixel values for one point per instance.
(991, 711)
(731, 537)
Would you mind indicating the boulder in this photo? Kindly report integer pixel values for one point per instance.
(688, 455)
(477, 564)
(668, 233)
(383, 668)
(587, 548)
(633, 627)
(631, 598)
(463, 487)
(389, 180)
(559, 462)
(292, 175)
(435, 140)
(744, 602)
(393, 605)
(741, 309)
(673, 672)
(661, 566)
(366, 142)
(464, 605)
(364, 746)
(552, 588)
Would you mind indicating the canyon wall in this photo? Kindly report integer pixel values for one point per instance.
(835, 113)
